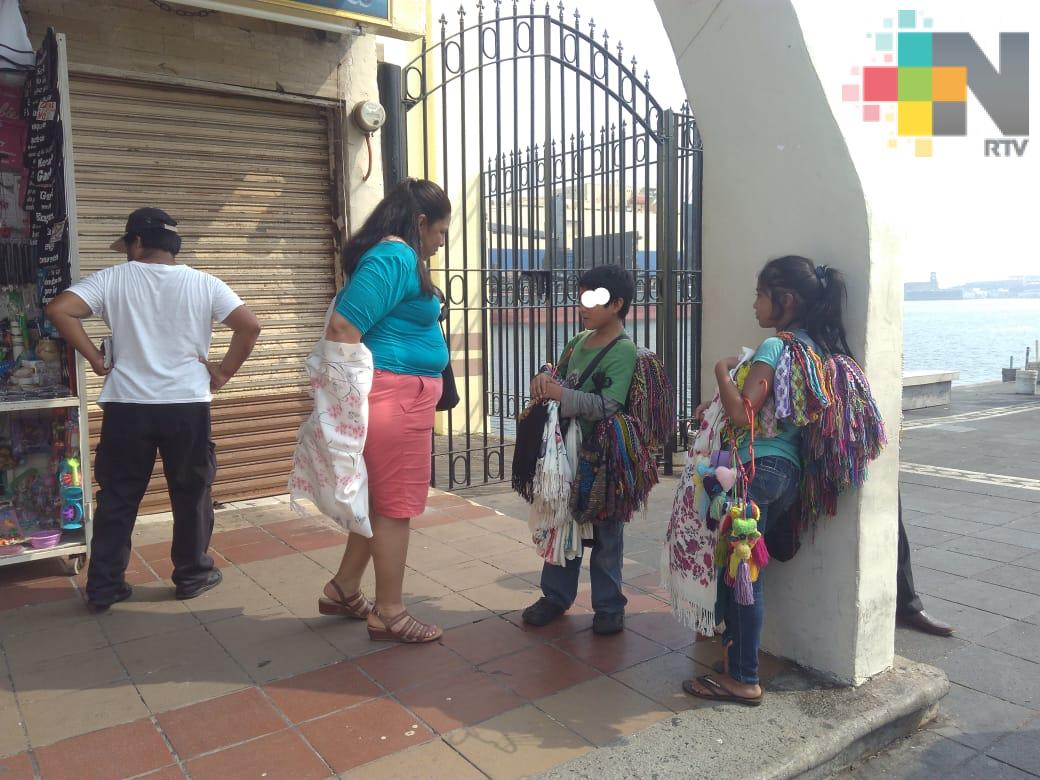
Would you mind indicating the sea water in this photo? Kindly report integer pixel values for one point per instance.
(976, 337)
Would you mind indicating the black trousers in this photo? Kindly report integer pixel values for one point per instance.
(131, 434)
(907, 601)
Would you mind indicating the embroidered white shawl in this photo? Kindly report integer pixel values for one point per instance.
(688, 559)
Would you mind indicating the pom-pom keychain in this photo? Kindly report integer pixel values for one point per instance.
(741, 551)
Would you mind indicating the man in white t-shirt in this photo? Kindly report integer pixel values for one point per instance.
(156, 398)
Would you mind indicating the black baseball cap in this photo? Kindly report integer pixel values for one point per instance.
(146, 220)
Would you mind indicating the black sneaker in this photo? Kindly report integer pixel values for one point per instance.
(97, 607)
(542, 612)
(605, 623)
(213, 579)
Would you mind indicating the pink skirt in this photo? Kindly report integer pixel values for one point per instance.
(397, 451)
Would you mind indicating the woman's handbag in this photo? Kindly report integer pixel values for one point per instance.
(449, 392)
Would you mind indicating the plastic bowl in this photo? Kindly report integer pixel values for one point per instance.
(44, 539)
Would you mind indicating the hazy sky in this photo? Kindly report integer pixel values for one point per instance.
(963, 215)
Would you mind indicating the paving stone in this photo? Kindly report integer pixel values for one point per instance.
(1012, 536)
(950, 562)
(1019, 639)
(922, 538)
(986, 768)
(956, 525)
(998, 674)
(977, 719)
(986, 548)
(969, 623)
(517, 744)
(603, 710)
(1014, 577)
(991, 598)
(931, 581)
(1030, 523)
(1021, 748)
(926, 648)
(921, 756)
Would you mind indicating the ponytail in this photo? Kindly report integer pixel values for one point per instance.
(820, 297)
(824, 319)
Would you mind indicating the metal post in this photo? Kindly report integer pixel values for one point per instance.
(667, 249)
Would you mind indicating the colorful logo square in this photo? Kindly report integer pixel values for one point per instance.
(950, 118)
(915, 50)
(915, 118)
(907, 20)
(880, 84)
(950, 84)
(915, 83)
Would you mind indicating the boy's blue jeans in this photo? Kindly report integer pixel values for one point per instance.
(774, 489)
(560, 583)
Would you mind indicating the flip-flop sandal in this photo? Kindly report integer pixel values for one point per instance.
(355, 607)
(720, 694)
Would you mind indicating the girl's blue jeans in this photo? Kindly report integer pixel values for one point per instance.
(774, 489)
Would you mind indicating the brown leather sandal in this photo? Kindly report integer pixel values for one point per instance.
(356, 607)
(403, 628)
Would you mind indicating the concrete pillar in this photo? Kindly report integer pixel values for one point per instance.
(779, 179)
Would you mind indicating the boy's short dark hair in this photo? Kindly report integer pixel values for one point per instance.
(617, 281)
(164, 240)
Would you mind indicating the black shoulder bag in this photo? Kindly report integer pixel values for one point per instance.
(449, 392)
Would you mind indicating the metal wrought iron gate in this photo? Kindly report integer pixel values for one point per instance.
(557, 158)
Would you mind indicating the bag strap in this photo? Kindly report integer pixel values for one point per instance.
(596, 361)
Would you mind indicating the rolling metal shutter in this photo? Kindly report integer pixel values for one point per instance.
(250, 183)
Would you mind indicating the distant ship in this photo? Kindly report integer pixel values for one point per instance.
(929, 291)
(933, 295)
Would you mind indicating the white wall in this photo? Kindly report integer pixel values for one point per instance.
(779, 179)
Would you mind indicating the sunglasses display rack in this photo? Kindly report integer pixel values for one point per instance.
(45, 506)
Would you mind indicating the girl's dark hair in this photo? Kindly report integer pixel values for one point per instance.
(398, 215)
(616, 280)
(819, 294)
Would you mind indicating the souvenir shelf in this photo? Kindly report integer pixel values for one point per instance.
(45, 505)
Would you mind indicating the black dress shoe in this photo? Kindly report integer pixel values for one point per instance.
(213, 579)
(542, 612)
(97, 607)
(606, 623)
(922, 621)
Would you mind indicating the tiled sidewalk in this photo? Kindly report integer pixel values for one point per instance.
(249, 681)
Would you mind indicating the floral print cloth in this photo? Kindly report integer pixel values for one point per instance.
(328, 465)
(688, 560)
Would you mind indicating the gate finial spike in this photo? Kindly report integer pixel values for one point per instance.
(577, 18)
(444, 21)
(646, 78)
(592, 26)
(561, 9)
(462, 12)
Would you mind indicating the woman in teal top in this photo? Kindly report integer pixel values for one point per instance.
(391, 306)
